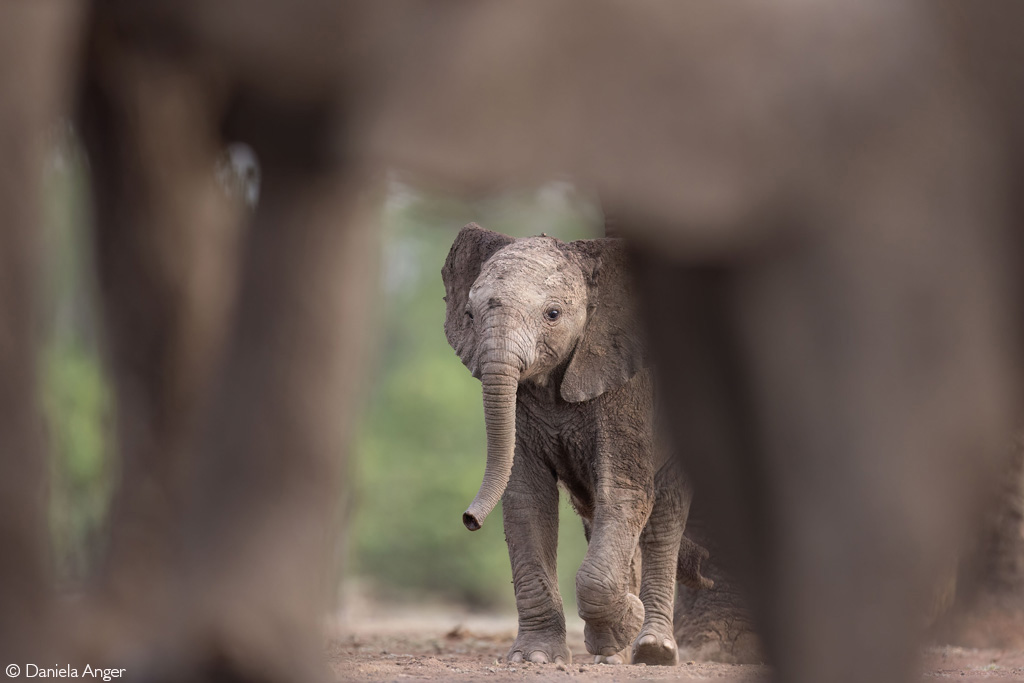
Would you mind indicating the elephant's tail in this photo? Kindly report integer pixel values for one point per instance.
(688, 567)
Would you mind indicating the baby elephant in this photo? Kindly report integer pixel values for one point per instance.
(549, 329)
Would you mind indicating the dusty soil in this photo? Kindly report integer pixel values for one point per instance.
(445, 645)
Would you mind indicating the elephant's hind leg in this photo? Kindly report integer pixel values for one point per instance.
(659, 545)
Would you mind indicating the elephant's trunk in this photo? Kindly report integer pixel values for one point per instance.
(500, 381)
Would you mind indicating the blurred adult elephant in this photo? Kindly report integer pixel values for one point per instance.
(823, 204)
(550, 330)
(822, 194)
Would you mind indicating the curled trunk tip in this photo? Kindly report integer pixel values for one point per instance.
(470, 521)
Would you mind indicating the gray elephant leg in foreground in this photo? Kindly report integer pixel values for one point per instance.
(766, 383)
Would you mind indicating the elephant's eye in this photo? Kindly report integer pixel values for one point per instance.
(469, 314)
(552, 314)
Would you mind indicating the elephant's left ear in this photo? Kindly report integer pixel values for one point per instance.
(611, 349)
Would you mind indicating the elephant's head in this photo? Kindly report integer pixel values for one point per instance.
(535, 309)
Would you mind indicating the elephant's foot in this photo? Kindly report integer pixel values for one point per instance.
(655, 648)
(611, 659)
(608, 637)
(540, 648)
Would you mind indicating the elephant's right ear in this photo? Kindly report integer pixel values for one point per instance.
(472, 247)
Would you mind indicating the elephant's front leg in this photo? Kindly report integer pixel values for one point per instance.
(613, 614)
(530, 510)
(659, 544)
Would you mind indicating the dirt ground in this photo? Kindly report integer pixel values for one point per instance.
(446, 645)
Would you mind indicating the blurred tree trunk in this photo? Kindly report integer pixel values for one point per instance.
(988, 611)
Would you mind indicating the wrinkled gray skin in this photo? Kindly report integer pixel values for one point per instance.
(549, 329)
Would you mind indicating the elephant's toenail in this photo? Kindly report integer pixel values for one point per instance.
(516, 657)
(538, 657)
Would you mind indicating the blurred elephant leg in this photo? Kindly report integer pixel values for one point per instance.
(165, 236)
(840, 405)
(36, 40)
(659, 543)
(262, 540)
(530, 511)
(25, 576)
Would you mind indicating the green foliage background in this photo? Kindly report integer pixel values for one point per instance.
(419, 452)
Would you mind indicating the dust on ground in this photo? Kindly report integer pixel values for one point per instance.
(444, 644)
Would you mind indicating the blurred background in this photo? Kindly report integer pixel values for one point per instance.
(419, 454)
